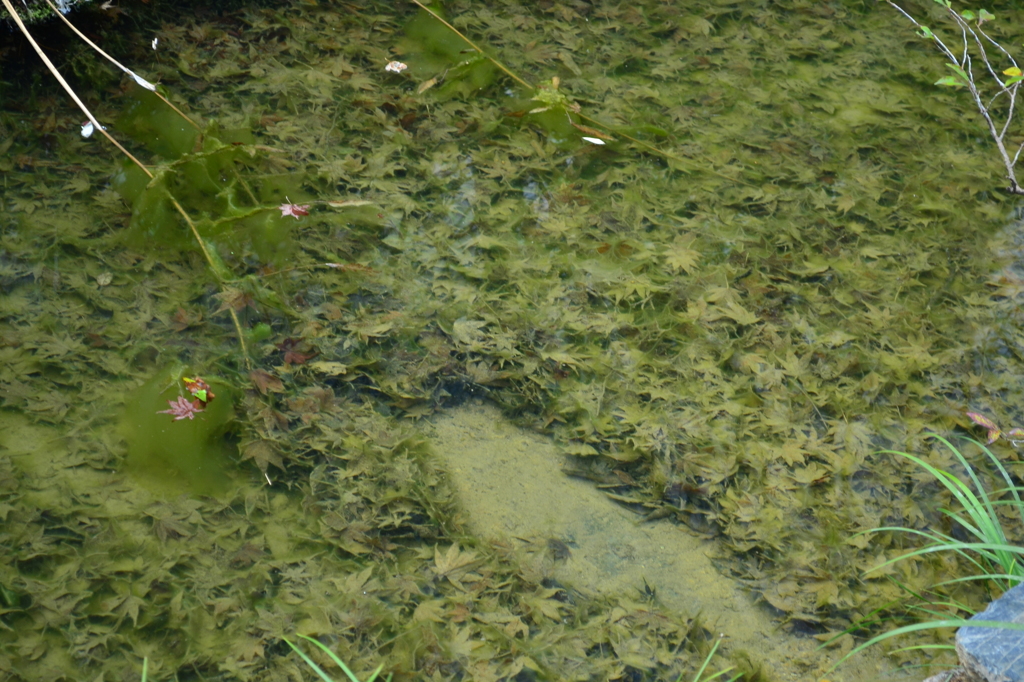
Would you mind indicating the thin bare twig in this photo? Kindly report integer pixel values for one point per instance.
(474, 46)
(136, 77)
(965, 68)
(96, 124)
(67, 88)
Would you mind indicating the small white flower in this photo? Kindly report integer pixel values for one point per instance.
(88, 129)
(396, 67)
(155, 41)
(594, 140)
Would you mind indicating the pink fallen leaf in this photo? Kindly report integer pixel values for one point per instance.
(294, 210)
(182, 408)
(981, 420)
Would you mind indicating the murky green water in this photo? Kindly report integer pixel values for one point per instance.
(790, 253)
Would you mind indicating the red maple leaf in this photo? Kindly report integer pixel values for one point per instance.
(293, 354)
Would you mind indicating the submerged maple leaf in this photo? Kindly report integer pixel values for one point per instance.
(182, 408)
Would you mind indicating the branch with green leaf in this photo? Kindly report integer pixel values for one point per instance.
(998, 100)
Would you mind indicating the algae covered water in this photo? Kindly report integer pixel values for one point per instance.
(712, 257)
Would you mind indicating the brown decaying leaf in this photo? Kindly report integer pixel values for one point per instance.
(266, 382)
(593, 132)
(183, 319)
(263, 454)
(234, 299)
(295, 351)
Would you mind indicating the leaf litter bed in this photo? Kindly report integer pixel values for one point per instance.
(787, 256)
(509, 484)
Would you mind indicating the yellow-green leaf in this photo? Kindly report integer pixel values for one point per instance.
(681, 258)
(432, 610)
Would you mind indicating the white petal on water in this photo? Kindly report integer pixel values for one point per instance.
(143, 82)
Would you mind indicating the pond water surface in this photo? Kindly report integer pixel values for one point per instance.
(561, 368)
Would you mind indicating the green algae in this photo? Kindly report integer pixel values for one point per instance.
(720, 334)
(172, 456)
(209, 172)
(150, 122)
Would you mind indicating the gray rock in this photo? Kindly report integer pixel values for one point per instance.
(954, 675)
(990, 654)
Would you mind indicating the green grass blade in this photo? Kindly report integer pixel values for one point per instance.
(992, 555)
(995, 577)
(926, 647)
(338, 662)
(707, 660)
(930, 625)
(980, 507)
(960, 548)
(317, 669)
(954, 485)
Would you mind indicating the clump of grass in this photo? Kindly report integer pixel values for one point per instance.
(352, 678)
(995, 560)
(337, 661)
(707, 662)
